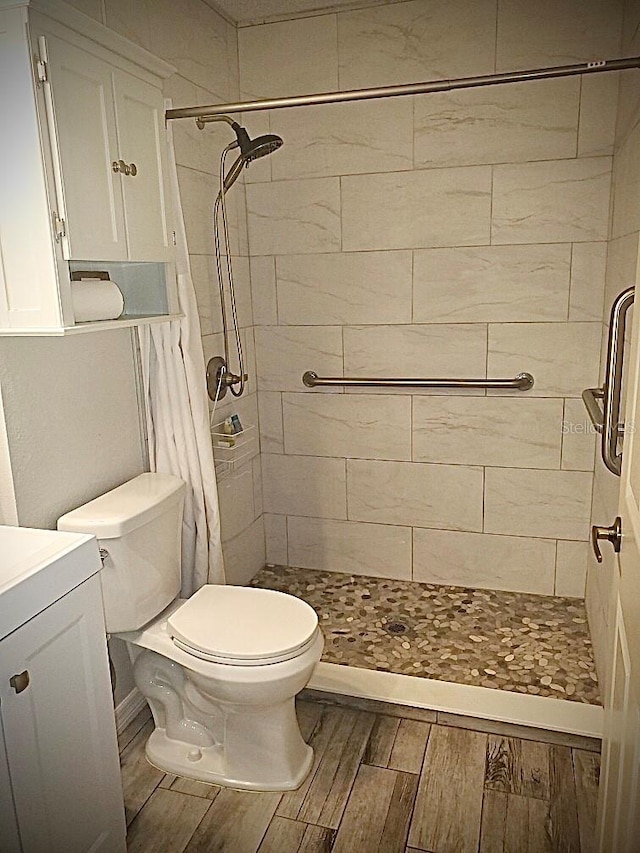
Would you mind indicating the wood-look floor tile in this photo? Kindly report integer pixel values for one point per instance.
(563, 810)
(194, 788)
(317, 839)
(586, 770)
(166, 823)
(494, 819)
(374, 706)
(514, 824)
(518, 766)
(139, 778)
(381, 740)
(327, 796)
(448, 807)
(235, 822)
(378, 812)
(131, 730)
(409, 746)
(283, 836)
(309, 714)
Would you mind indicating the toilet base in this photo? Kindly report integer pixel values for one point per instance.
(205, 764)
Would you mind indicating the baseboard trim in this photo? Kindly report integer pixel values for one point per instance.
(128, 709)
(557, 715)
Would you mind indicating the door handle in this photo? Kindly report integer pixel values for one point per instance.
(611, 534)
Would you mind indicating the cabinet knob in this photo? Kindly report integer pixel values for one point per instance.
(132, 170)
(20, 681)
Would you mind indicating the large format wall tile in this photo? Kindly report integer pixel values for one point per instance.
(356, 426)
(551, 202)
(588, 270)
(305, 485)
(286, 217)
(579, 437)
(511, 433)
(498, 124)
(270, 414)
(551, 504)
(416, 41)
(598, 109)
(288, 58)
(284, 353)
(352, 547)
(512, 563)
(420, 495)
(415, 351)
(344, 287)
(562, 357)
(439, 207)
(345, 139)
(491, 284)
(571, 569)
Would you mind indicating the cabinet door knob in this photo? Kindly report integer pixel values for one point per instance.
(132, 170)
(119, 166)
(20, 681)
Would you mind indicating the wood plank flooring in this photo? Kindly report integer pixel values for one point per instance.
(382, 782)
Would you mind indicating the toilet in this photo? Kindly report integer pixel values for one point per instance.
(219, 670)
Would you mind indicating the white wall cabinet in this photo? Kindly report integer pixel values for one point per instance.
(60, 755)
(83, 166)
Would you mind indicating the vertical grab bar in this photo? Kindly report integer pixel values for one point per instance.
(613, 382)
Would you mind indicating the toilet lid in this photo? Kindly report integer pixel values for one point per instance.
(243, 625)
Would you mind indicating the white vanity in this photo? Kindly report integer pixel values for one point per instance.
(60, 783)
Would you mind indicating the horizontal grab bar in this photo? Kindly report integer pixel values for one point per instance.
(522, 382)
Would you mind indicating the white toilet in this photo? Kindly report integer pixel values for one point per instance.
(221, 669)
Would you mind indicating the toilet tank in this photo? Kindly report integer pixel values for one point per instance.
(139, 525)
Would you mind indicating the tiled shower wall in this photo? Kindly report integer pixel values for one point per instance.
(458, 234)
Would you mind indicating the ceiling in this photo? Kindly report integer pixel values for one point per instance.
(246, 12)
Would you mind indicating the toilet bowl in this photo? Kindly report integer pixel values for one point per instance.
(219, 670)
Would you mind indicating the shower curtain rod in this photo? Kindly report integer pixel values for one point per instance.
(407, 88)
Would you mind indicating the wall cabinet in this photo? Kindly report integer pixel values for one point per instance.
(59, 773)
(83, 166)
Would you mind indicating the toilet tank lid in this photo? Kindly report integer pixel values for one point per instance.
(125, 508)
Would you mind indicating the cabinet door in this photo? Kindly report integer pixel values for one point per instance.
(82, 130)
(142, 142)
(59, 729)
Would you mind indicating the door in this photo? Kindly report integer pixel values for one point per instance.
(619, 811)
(82, 130)
(143, 148)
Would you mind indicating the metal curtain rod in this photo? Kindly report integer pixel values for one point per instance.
(407, 89)
(522, 382)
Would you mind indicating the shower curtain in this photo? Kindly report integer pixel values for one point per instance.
(178, 416)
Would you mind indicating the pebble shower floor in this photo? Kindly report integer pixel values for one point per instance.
(514, 641)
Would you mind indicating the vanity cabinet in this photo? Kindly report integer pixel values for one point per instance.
(59, 772)
(83, 169)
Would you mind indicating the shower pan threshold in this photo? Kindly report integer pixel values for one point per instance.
(506, 656)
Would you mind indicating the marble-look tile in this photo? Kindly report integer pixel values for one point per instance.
(491, 284)
(551, 202)
(378, 550)
(356, 426)
(270, 414)
(346, 139)
(416, 41)
(195, 40)
(131, 20)
(557, 32)
(294, 57)
(481, 560)
(242, 290)
(275, 534)
(571, 569)
(202, 286)
(305, 485)
(344, 287)
(497, 124)
(598, 109)
(417, 494)
(263, 291)
(626, 187)
(195, 148)
(258, 486)
(622, 260)
(457, 350)
(562, 357)
(244, 555)
(284, 353)
(549, 504)
(588, 271)
(289, 217)
(197, 192)
(92, 8)
(579, 437)
(628, 105)
(487, 431)
(235, 497)
(437, 207)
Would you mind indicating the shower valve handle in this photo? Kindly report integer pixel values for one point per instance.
(611, 534)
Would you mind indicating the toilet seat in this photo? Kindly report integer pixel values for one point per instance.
(243, 626)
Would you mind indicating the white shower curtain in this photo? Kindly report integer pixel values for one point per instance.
(178, 416)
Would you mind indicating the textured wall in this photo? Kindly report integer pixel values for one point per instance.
(459, 234)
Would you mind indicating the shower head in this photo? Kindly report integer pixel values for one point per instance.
(250, 150)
